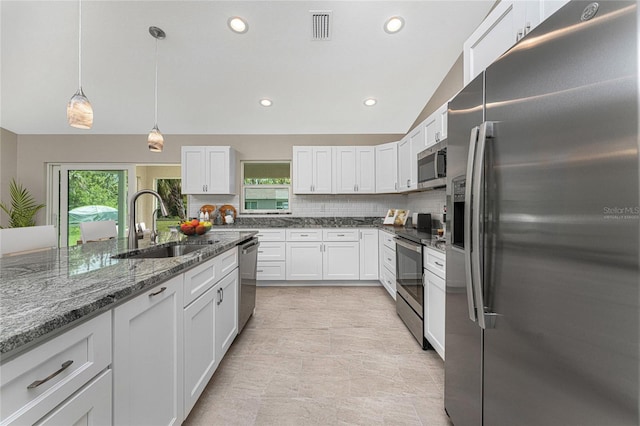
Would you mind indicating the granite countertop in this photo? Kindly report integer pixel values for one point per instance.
(44, 292)
(427, 240)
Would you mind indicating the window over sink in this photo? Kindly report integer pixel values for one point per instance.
(266, 186)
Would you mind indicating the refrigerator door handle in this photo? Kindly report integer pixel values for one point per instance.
(473, 140)
(485, 320)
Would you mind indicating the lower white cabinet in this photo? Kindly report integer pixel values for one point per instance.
(387, 262)
(369, 254)
(340, 260)
(434, 299)
(304, 260)
(226, 313)
(148, 364)
(90, 406)
(200, 357)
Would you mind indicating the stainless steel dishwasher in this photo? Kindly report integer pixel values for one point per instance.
(248, 269)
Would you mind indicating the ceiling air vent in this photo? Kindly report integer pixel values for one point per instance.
(321, 24)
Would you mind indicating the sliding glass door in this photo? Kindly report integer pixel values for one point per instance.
(92, 192)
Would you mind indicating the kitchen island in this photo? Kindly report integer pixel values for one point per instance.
(44, 293)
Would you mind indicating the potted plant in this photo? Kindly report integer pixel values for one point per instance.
(23, 207)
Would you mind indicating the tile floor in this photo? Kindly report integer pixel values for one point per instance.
(324, 356)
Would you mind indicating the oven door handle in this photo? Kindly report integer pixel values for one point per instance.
(409, 245)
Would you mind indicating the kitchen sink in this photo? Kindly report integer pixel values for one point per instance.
(163, 252)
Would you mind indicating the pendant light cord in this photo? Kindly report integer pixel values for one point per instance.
(80, 43)
(156, 86)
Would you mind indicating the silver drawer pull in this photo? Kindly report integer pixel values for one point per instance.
(304, 235)
(438, 263)
(259, 270)
(340, 235)
(389, 259)
(260, 251)
(157, 292)
(37, 383)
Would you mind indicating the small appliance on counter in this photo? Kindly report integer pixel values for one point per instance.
(422, 222)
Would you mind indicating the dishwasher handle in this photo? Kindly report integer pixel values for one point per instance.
(250, 246)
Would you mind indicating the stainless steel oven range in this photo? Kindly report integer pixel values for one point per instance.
(409, 285)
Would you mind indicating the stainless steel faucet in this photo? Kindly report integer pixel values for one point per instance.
(133, 237)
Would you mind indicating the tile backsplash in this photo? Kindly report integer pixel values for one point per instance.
(341, 204)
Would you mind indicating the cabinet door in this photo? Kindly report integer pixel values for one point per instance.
(386, 169)
(193, 170)
(90, 406)
(497, 33)
(369, 254)
(443, 114)
(404, 164)
(304, 261)
(434, 316)
(226, 313)
(220, 170)
(322, 178)
(200, 360)
(345, 169)
(147, 361)
(431, 129)
(341, 261)
(302, 170)
(365, 166)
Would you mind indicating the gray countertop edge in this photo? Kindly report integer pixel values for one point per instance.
(18, 343)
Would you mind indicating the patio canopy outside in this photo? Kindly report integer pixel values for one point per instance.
(92, 214)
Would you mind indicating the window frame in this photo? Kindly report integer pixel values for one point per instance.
(243, 186)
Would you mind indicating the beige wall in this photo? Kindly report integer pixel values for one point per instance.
(452, 84)
(8, 168)
(35, 151)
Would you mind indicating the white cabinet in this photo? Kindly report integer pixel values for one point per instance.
(341, 260)
(304, 260)
(387, 167)
(442, 114)
(434, 299)
(387, 261)
(312, 167)
(200, 357)
(404, 164)
(208, 170)
(507, 24)
(435, 126)
(147, 362)
(90, 406)
(226, 313)
(369, 254)
(354, 169)
(38, 381)
(272, 255)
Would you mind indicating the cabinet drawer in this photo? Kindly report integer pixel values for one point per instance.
(340, 234)
(435, 262)
(389, 259)
(87, 346)
(387, 240)
(201, 278)
(271, 251)
(304, 234)
(388, 280)
(271, 271)
(272, 235)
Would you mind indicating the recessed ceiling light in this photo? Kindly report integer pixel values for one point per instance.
(266, 102)
(370, 102)
(394, 24)
(238, 25)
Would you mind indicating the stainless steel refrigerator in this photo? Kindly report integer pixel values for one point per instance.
(543, 293)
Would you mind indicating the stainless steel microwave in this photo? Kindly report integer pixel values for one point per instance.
(432, 166)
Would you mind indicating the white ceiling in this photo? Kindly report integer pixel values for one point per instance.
(210, 79)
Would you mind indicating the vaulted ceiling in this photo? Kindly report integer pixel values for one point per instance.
(210, 80)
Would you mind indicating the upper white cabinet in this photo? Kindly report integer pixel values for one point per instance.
(404, 164)
(435, 126)
(507, 24)
(208, 170)
(387, 167)
(355, 169)
(312, 169)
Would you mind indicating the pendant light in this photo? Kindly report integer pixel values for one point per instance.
(155, 139)
(79, 110)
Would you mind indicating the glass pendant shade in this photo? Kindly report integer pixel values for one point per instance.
(155, 140)
(80, 111)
